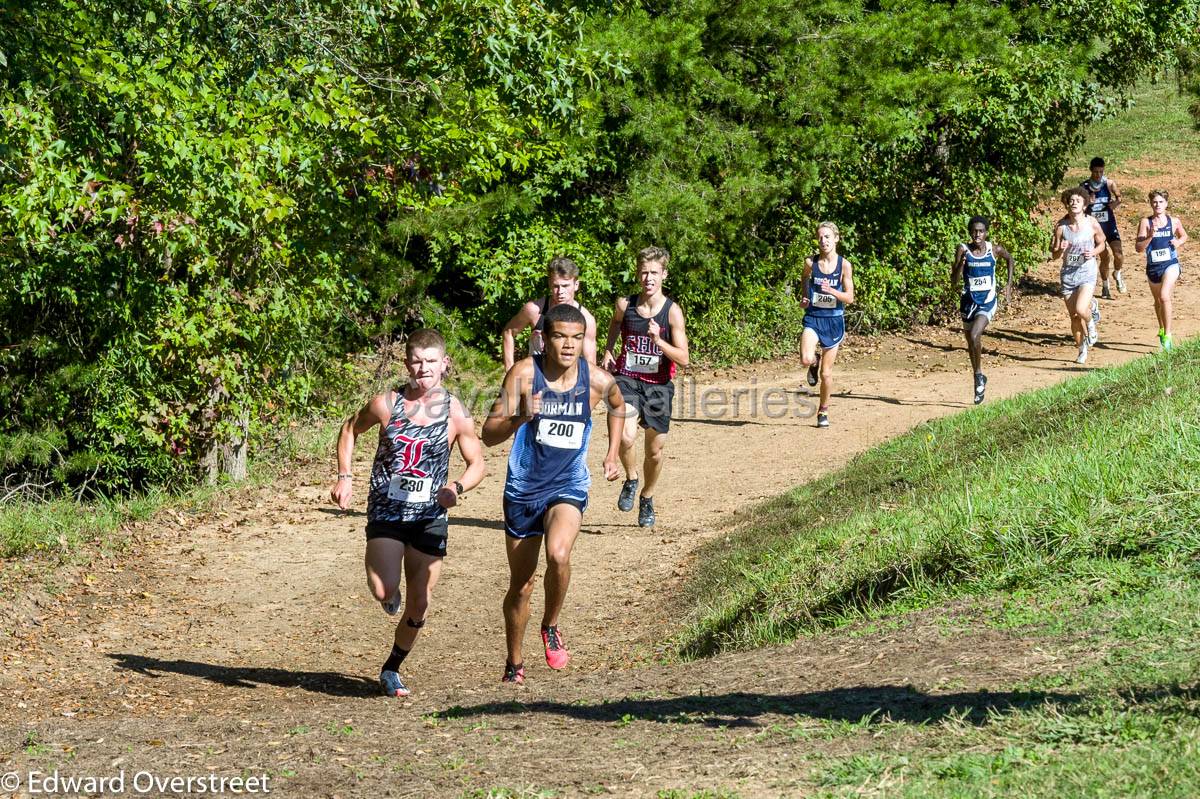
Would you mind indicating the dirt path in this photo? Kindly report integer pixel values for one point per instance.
(244, 641)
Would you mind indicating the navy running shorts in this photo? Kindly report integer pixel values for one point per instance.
(830, 330)
(652, 400)
(426, 535)
(528, 519)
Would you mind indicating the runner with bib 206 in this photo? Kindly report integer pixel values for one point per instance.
(976, 262)
(827, 288)
(410, 489)
(1104, 199)
(654, 341)
(1160, 236)
(1078, 239)
(547, 402)
(562, 278)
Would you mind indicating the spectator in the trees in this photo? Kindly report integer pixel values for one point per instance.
(1104, 198)
(410, 488)
(562, 277)
(976, 262)
(827, 288)
(1078, 239)
(653, 342)
(1160, 236)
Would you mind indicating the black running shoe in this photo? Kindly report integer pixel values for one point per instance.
(822, 419)
(628, 492)
(980, 387)
(646, 517)
(814, 372)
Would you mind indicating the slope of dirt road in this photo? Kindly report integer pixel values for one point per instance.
(243, 641)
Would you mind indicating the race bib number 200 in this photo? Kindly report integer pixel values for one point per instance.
(560, 434)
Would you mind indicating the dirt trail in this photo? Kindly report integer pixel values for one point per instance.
(244, 641)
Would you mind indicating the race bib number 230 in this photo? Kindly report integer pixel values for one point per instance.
(407, 488)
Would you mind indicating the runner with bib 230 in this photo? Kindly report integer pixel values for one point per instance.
(547, 402)
(827, 288)
(410, 489)
(1160, 236)
(976, 262)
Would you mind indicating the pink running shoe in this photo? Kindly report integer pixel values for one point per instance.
(556, 654)
(514, 674)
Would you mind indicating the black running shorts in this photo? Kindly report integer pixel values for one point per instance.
(427, 535)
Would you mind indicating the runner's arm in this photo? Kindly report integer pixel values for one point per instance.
(1099, 240)
(589, 337)
(960, 256)
(1181, 236)
(526, 317)
(614, 332)
(1057, 244)
(846, 293)
(1114, 195)
(616, 423)
(508, 412)
(472, 452)
(1143, 236)
(1008, 284)
(374, 412)
(677, 349)
(805, 276)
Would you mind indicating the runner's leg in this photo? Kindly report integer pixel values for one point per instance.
(974, 333)
(828, 359)
(1166, 298)
(562, 528)
(652, 466)
(522, 566)
(384, 560)
(808, 347)
(421, 572)
(628, 439)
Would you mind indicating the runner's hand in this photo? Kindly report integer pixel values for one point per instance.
(341, 492)
(612, 468)
(533, 405)
(447, 497)
(609, 362)
(804, 302)
(653, 329)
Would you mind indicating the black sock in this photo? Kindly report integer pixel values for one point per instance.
(395, 659)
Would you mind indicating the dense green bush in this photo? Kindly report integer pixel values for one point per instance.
(205, 206)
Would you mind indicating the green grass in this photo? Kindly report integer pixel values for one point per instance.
(1156, 126)
(1086, 479)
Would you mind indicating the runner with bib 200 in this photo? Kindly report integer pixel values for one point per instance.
(1103, 199)
(547, 402)
(976, 262)
(410, 489)
(562, 278)
(827, 288)
(653, 342)
(1078, 239)
(1160, 236)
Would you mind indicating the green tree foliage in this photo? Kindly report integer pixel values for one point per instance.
(193, 200)
(204, 206)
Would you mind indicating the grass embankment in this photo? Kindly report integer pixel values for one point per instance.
(1086, 477)
(1070, 514)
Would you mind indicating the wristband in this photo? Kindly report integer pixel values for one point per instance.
(345, 476)
(458, 488)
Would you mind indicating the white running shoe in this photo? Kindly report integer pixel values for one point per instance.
(1120, 281)
(1083, 353)
(1092, 334)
